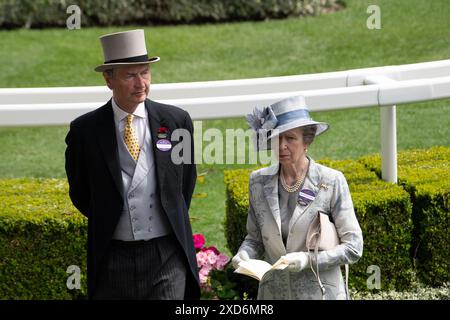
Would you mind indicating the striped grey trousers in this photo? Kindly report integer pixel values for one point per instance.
(144, 270)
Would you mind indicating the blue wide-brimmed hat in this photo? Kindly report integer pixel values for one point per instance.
(280, 117)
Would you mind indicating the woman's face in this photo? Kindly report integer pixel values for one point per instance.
(291, 147)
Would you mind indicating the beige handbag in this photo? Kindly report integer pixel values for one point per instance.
(322, 235)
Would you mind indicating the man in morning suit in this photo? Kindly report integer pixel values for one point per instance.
(122, 178)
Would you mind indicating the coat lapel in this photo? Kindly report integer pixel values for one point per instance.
(162, 158)
(106, 133)
(270, 182)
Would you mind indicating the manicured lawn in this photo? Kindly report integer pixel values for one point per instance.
(412, 31)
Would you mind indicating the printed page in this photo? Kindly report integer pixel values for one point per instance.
(257, 268)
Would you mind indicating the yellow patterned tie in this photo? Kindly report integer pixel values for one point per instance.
(131, 139)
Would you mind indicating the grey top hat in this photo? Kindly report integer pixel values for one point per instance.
(280, 117)
(124, 49)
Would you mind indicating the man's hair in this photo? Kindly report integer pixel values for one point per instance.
(110, 73)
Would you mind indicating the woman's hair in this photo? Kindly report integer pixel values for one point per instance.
(309, 133)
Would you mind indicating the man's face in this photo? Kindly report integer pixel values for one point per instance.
(130, 85)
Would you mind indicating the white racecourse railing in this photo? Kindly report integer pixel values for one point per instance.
(381, 86)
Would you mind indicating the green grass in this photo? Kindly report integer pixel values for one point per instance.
(412, 31)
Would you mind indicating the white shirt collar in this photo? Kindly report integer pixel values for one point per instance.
(120, 114)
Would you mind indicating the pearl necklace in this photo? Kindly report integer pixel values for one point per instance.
(297, 184)
(293, 188)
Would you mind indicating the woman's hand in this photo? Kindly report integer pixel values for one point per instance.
(240, 256)
(297, 261)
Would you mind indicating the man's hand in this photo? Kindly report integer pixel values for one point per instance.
(297, 261)
(240, 256)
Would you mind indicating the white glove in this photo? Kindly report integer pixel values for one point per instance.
(297, 261)
(240, 256)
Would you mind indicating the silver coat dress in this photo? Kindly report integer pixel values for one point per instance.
(264, 239)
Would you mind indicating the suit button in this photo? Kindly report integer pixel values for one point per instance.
(150, 218)
(132, 207)
(151, 205)
(151, 196)
(134, 219)
(131, 196)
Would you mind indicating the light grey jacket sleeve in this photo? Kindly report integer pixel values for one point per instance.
(351, 241)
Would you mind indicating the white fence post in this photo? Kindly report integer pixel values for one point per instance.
(388, 127)
(388, 143)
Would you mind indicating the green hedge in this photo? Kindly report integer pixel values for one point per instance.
(41, 235)
(237, 203)
(383, 211)
(44, 13)
(425, 174)
(384, 214)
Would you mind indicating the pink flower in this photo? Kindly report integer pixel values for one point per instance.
(199, 240)
(212, 248)
(212, 257)
(208, 259)
(202, 258)
(222, 261)
(203, 278)
(204, 272)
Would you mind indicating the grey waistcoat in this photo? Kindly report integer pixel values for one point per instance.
(142, 216)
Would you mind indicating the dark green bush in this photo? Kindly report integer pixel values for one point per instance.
(44, 13)
(41, 235)
(425, 175)
(383, 211)
(237, 203)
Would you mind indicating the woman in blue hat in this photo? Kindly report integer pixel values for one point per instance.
(286, 201)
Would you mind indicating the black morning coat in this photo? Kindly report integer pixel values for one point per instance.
(94, 175)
